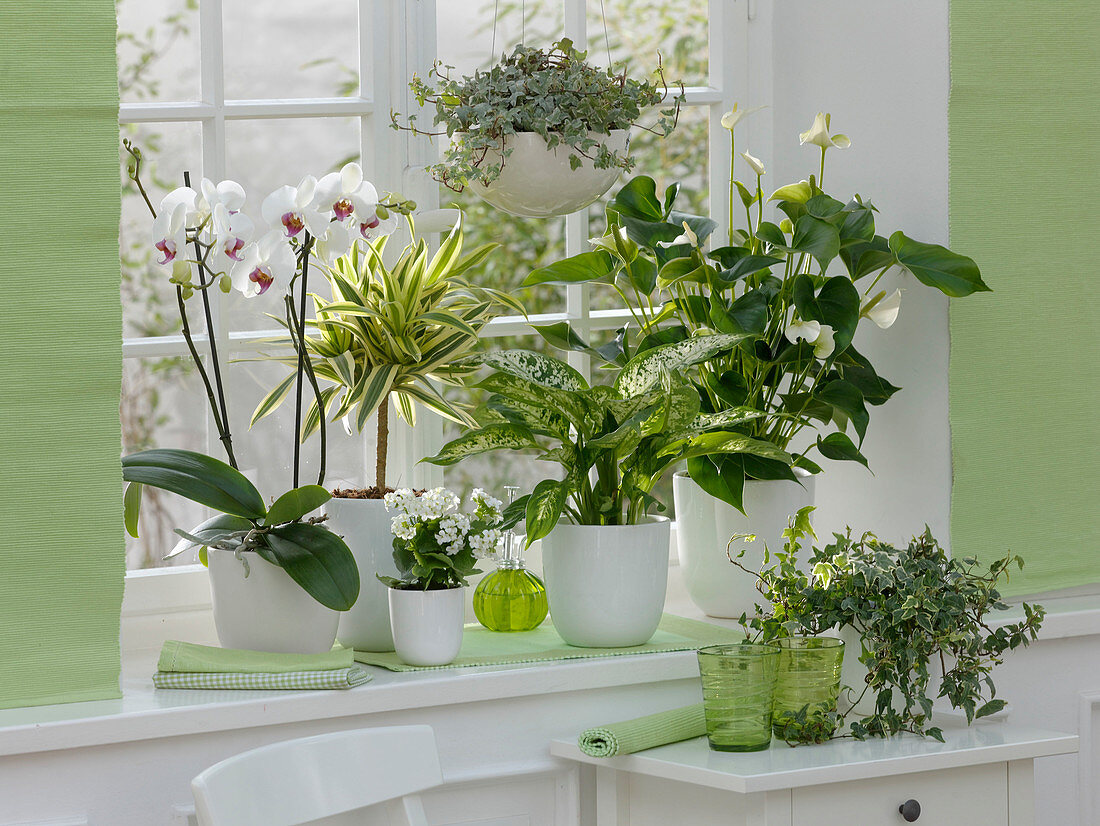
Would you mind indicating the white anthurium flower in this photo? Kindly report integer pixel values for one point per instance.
(818, 134)
(885, 312)
(170, 228)
(375, 227)
(437, 220)
(756, 164)
(686, 237)
(735, 115)
(293, 209)
(345, 193)
(335, 242)
(825, 343)
(233, 231)
(808, 331)
(270, 262)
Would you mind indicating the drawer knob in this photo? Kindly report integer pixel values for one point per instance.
(910, 810)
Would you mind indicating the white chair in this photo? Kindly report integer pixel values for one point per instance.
(303, 780)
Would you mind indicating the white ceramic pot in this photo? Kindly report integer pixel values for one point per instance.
(365, 526)
(260, 608)
(606, 583)
(537, 182)
(427, 625)
(704, 526)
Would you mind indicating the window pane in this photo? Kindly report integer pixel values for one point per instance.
(290, 49)
(466, 42)
(637, 29)
(158, 50)
(162, 406)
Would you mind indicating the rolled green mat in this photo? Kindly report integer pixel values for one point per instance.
(643, 733)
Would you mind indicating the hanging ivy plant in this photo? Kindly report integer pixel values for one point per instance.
(554, 92)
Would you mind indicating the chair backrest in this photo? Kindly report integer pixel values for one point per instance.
(298, 781)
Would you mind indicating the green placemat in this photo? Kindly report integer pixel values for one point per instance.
(183, 657)
(483, 647)
(333, 678)
(643, 733)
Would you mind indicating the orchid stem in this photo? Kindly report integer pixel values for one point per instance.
(301, 347)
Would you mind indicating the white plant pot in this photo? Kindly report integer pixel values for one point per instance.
(365, 526)
(704, 526)
(537, 182)
(427, 625)
(266, 610)
(606, 583)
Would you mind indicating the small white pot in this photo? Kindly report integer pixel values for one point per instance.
(262, 609)
(427, 625)
(537, 182)
(365, 526)
(704, 526)
(606, 583)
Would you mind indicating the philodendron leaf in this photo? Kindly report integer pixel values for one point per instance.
(952, 274)
(197, 477)
(839, 447)
(491, 437)
(544, 508)
(992, 707)
(724, 480)
(294, 504)
(319, 561)
(643, 372)
(588, 266)
(535, 367)
(131, 507)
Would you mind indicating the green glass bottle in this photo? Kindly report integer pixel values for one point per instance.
(511, 598)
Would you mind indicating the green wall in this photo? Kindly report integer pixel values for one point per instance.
(1025, 363)
(62, 553)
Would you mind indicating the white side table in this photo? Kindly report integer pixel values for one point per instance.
(981, 776)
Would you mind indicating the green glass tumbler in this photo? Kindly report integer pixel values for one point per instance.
(807, 688)
(738, 690)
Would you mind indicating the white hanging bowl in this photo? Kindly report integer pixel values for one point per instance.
(537, 182)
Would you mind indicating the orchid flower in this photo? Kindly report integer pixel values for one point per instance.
(884, 312)
(267, 263)
(818, 134)
(375, 225)
(335, 242)
(170, 225)
(345, 193)
(808, 331)
(734, 116)
(292, 208)
(686, 237)
(233, 232)
(825, 344)
(229, 194)
(756, 164)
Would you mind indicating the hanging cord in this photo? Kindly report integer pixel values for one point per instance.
(523, 21)
(606, 41)
(496, 21)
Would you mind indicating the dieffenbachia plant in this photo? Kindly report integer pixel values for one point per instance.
(394, 330)
(795, 289)
(613, 443)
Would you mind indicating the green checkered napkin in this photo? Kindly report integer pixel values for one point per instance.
(644, 732)
(187, 665)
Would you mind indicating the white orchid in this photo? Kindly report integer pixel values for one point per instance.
(345, 193)
(825, 343)
(686, 237)
(884, 312)
(170, 225)
(808, 331)
(335, 242)
(735, 115)
(818, 134)
(376, 226)
(228, 194)
(233, 231)
(268, 263)
(756, 164)
(293, 209)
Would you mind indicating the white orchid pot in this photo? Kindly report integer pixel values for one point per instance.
(257, 606)
(606, 583)
(364, 525)
(427, 625)
(705, 525)
(538, 182)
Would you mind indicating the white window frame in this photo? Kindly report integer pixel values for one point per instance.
(739, 69)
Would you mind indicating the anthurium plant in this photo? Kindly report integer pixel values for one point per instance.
(795, 282)
(917, 610)
(613, 443)
(554, 92)
(395, 330)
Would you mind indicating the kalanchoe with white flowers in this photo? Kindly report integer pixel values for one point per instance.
(436, 544)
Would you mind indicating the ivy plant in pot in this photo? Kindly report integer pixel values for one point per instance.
(279, 577)
(910, 617)
(436, 546)
(542, 132)
(390, 332)
(605, 557)
(777, 283)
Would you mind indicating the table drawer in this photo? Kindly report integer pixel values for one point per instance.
(969, 796)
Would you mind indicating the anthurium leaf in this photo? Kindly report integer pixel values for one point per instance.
(748, 314)
(839, 447)
(767, 231)
(952, 274)
(799, 193)
(838, 306)
(681, 269)
(845, 397)
(642, 274)
(700, 225)
(858, 226)
(131, 507)
(853, 367)
(319, 561)
(492, 437)
(197, 477)
(562, 336)
(863, 258)
(588, 266)
(643, 372)
(747, 265)
(638, 199)
(817, 237)
(544, 508)
(823, 206)
(294, 504)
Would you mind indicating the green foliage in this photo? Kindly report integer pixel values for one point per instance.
(313, 556)
(914, 607)
(553, 92)
(613, 443)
